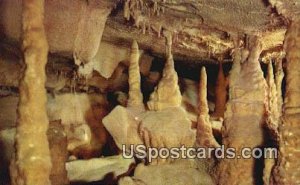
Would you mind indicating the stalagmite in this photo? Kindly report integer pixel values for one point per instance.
(205, 137)
(135, 94)
(287, 172)
(273, 116)
(32, 163)
(220, 93)
(167, 93)
(243, 120)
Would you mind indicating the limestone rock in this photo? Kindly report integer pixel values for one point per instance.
(59, 153)
(179, 173)
(155, 125)
(123, 126)
(81, 118)
(96, 169)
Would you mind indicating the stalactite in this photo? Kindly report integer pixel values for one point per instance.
(89, 32)
(244, 117)
(205, 137)
(167, 93)
(279, 75)
(220, 93)
(32, 163)
(135, 94)
(126, 10)
(287, 170)
(272, 104)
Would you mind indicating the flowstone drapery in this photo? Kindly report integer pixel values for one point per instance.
(244, 116)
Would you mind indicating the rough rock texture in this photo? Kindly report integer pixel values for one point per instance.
(279, 75)
(32, 163)
(7, 149)
(150, 127)
(273, 114)
(243, 118)
(288, 8)
(81, 116)
(203, 28)
(59, 153)
(58, 150)
(8, 114)
(179, 173)
(96, 169)
(89, 33)
(287, 171)
(156, 128)
(123, 126)
(155, 125)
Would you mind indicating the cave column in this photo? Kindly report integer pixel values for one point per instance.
(287, 172)
(244, 117)
(32, 163)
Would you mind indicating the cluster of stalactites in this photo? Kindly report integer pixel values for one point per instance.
(167, 93)
(143, 14)
(205, 136)
(139, 5)
(135, 94)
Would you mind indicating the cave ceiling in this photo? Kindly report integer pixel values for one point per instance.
(204, 30)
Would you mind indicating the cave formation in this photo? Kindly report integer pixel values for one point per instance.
(85, 84)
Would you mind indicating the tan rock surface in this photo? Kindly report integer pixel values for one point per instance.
(32, 162)
(243, 118)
